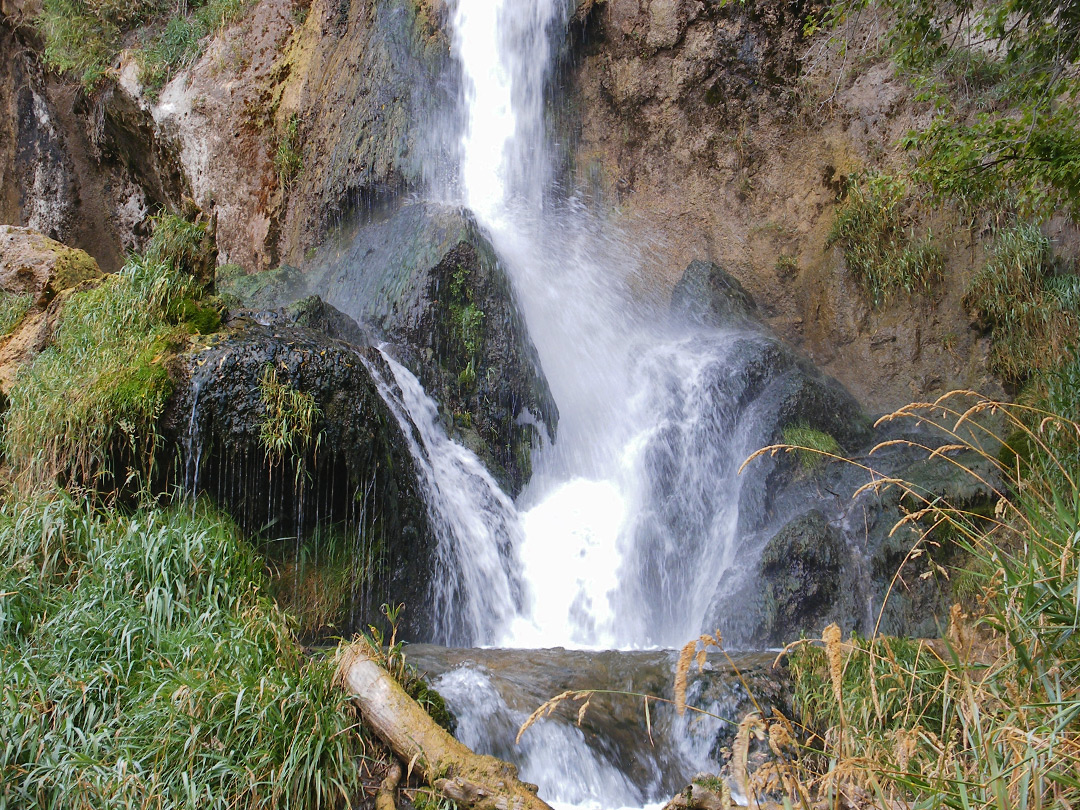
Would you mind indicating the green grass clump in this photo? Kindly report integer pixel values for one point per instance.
(84, 412)
(144, 666)
(877, 236)
(85, 37)
(288, 428)
(289, 159)
(1031, 313)
(103, 382)
(13, 309)
(813, 446)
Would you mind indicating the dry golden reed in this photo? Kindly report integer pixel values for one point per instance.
(834, 652)
(688, 655)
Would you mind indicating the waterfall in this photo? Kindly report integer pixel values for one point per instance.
(628, 533)
(631, 516)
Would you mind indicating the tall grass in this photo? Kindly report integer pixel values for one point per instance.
(1030, 309)
(85, 410)
(13, 309)
(85, 37)
(288, 426)
(875, 229)
(144, 666)
(988, 716)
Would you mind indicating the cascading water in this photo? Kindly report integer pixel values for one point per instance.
(630, 521)
(476, 587)
(636, 531)
(631, 515)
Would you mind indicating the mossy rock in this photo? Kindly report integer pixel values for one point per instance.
(355, 475)
(425, 279)
(802, 574)
(33, 264)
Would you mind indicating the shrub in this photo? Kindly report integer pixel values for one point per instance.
(877, 236)
(1031, 314)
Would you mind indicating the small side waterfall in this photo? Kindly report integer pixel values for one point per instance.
(476, 589)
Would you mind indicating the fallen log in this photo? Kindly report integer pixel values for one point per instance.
(470, 779)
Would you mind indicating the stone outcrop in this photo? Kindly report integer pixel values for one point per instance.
(425, 279)
(41, 271)
(719, 130)
(354, 476)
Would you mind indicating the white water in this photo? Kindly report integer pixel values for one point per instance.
(475, 522)
(628, 388)
(630, 519)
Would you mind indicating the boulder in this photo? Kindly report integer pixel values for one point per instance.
(801, 571)
(353, 479)
(709, 295)
(33, 264)
(430, 281)
(40, 272)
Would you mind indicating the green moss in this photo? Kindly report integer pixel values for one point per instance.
(814, 446)
(431, 701)
(466, 326)
(876, 231)
(261, 290)
(73, 267)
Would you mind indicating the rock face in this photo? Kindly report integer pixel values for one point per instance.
(819, 554)
(38, 270)
(55, 176)
(354, 478)
(425, 279)
(718, 130)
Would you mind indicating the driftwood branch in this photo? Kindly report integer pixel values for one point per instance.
(384, 798)
(470, 779)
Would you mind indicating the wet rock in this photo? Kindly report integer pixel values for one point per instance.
(427, 279)
(802, 570)
(918, 604)
(371, 79)
(799, 393)
(354, 477)
(709, 295)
